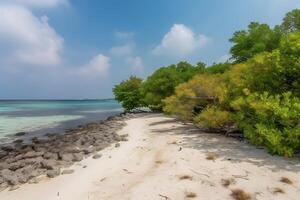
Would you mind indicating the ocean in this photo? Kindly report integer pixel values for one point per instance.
(38, 117)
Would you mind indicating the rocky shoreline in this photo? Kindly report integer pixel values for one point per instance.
(22, 163)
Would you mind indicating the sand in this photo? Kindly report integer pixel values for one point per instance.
(165, 159)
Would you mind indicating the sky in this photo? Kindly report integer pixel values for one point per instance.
(75, 49)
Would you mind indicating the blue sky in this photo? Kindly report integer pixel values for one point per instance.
(73, 49)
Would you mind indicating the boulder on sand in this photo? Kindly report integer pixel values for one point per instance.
(53, 173)
(97, 156)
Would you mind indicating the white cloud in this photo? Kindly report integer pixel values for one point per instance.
(180, 41)
(123, 50)
(136, 64)
(37, 3)
(32, 40)
(98, 66)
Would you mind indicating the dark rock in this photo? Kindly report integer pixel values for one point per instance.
(18, 141)
(49, 164)
(15, 187)
(66, 156)
(33, 161)
(9, 176)
(77, 157)
(32, 154)
(3, 165)
(7, 148)
(89, 150)
(72, 150)
(49, 155)
(53, 173)
(20, 134)
(97, 156)
(16, 165)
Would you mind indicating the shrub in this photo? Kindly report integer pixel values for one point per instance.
(270, 120)
(193, 96)
(214, 118)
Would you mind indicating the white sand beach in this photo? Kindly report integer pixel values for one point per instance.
(165, 159)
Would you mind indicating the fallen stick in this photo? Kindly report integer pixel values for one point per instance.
(127, 171)
(241, 176)
(102, 179)
(199, 173)
(166, 197)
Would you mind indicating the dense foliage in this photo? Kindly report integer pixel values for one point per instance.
(162, 83)
(258, 38)
(257, 94)
(129, 94)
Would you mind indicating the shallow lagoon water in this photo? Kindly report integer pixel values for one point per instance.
(48, 116)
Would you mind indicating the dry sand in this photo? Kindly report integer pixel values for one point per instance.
(167, 160)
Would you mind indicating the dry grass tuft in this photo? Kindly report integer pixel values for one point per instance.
(239, 194)
(190, 194)
(185, 177)
(286, 180)
(173, 142)
(227, 182)
(278, 190)
(211, 156)
(159, 162)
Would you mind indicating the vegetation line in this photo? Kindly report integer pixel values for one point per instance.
(256, 92)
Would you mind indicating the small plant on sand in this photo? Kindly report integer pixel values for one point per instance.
(190, 194)
(286, 180)
(278, 190)
(159, 162)
(185, 177)
(211, 156)
(239, 194)
(227, 182)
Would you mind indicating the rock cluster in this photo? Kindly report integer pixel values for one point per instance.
(22, 163)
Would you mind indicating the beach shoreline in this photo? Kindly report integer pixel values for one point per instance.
(166, 159)
(23, 161)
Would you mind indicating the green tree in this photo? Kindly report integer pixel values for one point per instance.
(275, 72)
(258, 38)
(192, 97)
(128, 93)
(291, 22)
(162, 82)
(218, 68)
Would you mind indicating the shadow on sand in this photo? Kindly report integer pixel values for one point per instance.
(227, 148)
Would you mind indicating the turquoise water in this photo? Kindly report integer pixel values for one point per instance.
(48, 116)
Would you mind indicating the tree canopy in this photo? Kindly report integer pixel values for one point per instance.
(291, 22)
(163, 81)
(256, 39)
(129, 94)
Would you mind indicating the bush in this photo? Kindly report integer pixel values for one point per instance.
(193, 96)
(270, 120)
(214, 118)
